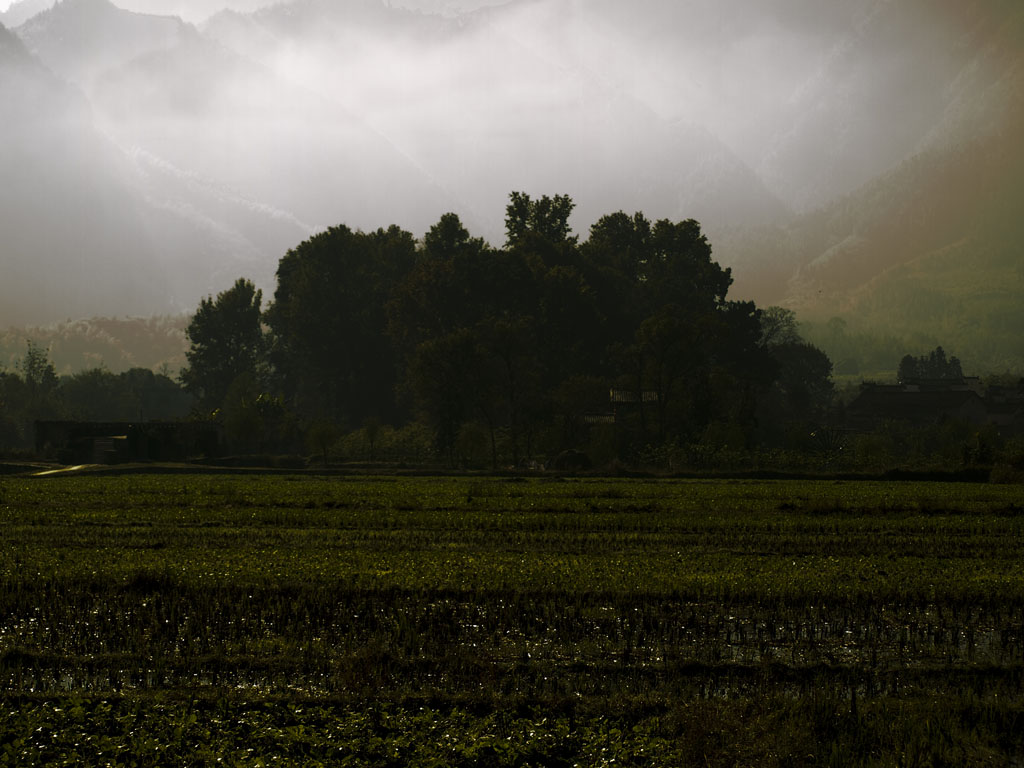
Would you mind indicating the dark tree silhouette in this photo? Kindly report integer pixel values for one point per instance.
(546, 218)
(37, 371)
(373, 328)
(329, 323)
(138, 394)
(225, 342)
(933, 366)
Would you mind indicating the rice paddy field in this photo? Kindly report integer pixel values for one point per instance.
(242, 620)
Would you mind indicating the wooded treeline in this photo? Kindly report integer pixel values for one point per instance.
(33, 391)
(447, 351)
(505, 355)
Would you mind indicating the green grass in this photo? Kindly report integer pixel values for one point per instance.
(457, 621)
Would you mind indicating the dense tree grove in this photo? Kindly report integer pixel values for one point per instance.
(515, 353)
(622, 347)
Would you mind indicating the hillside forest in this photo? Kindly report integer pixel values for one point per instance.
(623, 349)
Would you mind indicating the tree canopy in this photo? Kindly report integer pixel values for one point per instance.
(225, 342)
(375, 328)
(329, 336)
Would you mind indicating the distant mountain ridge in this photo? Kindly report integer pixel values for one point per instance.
(822, 146)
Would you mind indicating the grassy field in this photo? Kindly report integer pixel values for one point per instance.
(248, 620)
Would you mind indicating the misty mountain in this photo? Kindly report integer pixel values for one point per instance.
(817, 98)
(209, 150)
(934, 252)
(59, 180)
(89, 228)
(525, 115)
(323, 21)
(802, 103)
(882, 93)
(20, 12)
(190, 10)
(201, 107)
(79, 39)
(931, 248)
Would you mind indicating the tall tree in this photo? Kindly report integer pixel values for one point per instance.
(454, 279)
(621, 243)
(673, 329)
(805, 379)
(35, 394)
(225, 342)
(680, 269)
(546, 218)
(449, 239)
(43, 399)
(38, 372)
(329, 323)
